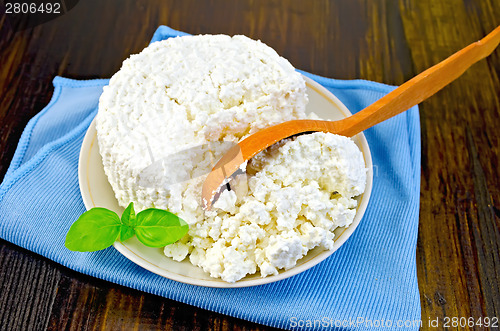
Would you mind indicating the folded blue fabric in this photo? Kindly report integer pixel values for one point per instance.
(370, 281)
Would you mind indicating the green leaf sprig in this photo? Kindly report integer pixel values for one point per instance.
(99, 228)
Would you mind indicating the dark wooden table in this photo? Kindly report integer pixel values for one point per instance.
(458, 253)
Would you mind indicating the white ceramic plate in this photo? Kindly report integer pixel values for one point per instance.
(97, 192)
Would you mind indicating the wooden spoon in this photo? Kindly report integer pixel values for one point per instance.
(402, 98)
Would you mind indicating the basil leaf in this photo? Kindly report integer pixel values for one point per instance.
(126, 232)
(128, 216)
(94, 230)
(158, 228)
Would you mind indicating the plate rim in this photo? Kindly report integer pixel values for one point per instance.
(83, 164)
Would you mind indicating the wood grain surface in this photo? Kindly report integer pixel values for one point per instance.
(389, 41)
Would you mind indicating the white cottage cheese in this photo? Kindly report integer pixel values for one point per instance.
(176, 107)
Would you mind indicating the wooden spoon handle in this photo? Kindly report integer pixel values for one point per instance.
(421, 86)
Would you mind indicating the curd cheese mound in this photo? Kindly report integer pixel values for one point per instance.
(172, 110)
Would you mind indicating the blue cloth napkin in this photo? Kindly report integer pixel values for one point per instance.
(370, 281)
